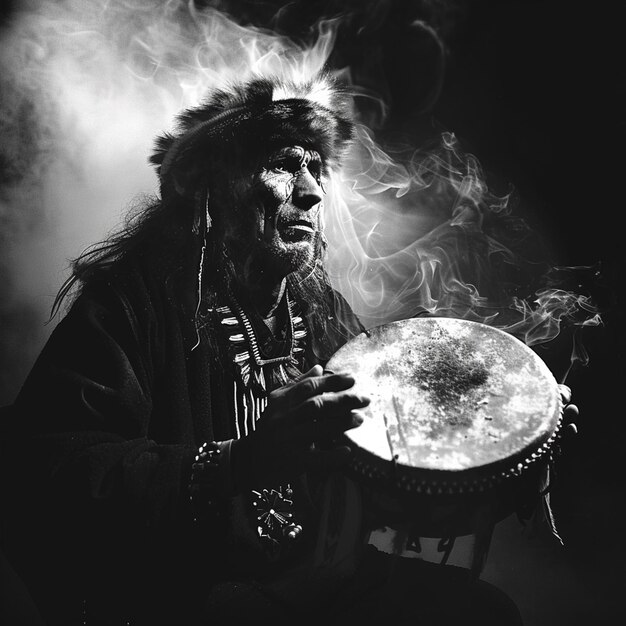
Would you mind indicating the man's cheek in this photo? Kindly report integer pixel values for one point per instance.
(273, 200)
(277, 189)
(244, 226)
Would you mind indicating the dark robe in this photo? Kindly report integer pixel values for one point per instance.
(97, 524)
(97, 452)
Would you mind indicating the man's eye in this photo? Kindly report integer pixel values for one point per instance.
(289, 165)
(294, 160)
(315, 167)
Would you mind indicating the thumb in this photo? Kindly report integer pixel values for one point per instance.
(316, 370)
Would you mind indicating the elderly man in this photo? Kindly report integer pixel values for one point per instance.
(171, 450)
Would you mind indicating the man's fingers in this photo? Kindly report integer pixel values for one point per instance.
(570, 413)
(566, 393)
(316, 370)
(315, 385)
(325, 406)
(326, 426)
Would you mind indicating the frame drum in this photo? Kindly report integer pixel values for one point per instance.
(459, 431)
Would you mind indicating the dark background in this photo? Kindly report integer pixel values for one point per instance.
(536, 91)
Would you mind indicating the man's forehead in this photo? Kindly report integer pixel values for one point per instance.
(295, 150)
(288, 156)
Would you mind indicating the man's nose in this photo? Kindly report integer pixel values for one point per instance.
(307, 192)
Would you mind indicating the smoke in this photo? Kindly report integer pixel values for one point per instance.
(86, 88)
(88, 85)
(422, 233)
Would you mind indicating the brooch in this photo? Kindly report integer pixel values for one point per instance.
(274, 515)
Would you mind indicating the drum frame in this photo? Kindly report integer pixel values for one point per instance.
(443, 503)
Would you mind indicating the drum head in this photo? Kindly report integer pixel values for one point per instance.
(456, 406)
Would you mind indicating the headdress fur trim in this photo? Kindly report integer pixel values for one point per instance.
(256, 118)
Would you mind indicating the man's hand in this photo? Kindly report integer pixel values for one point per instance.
(317, 407)
(570, 412)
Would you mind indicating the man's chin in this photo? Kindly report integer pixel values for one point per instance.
(291, 256)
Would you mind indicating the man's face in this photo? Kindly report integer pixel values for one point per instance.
(275, 223)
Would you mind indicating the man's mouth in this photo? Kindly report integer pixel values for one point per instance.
(295, 230)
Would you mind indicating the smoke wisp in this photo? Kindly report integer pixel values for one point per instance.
(87, 86)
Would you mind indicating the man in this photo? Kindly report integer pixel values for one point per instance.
(174, 445)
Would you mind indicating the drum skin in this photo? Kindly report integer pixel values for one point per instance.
(462, 421)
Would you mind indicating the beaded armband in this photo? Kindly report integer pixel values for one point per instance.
(209, 481)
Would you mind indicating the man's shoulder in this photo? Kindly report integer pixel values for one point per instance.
(333, 325)
(132, 276)
(124, 290)
(343, 312)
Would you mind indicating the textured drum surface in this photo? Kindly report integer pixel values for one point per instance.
(452, 401)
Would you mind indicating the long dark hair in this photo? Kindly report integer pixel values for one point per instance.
(161, 230)
(150, 224)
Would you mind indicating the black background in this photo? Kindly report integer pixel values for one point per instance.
(536, 91)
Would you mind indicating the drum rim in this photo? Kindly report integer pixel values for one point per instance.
(428, 481)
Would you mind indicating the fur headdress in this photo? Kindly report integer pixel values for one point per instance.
(250, 121)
